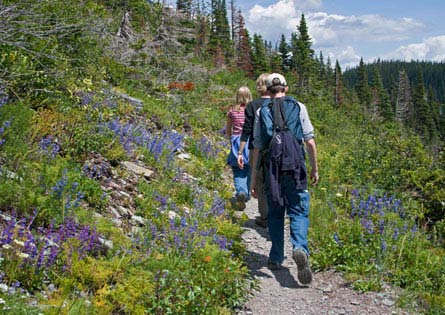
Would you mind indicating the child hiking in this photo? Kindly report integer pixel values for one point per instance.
(235, 121)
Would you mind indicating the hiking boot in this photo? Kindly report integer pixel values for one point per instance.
(304, 271)
(261, 222)
(241, 202)
(273, 265)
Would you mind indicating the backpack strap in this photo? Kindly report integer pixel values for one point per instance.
(279, 118)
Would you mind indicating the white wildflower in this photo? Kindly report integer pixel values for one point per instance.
(23, 255)
(20, 243)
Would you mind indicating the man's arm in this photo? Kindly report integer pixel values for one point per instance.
(249, 117)
(256, 153)
(312, 152)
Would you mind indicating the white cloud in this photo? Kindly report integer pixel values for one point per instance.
(347, 57)
(307, 5)
(336, 34)
(432, 48)
(349, 29)
(274, 20)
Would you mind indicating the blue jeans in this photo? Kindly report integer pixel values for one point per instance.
(241, 179)
(296, 203)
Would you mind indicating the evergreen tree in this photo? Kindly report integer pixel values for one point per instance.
(303, 56)
(338, 92)
(380, 104)
(259, 57)
(242, 45)
(202, 31)
(322, 68)
(423, 119)
(283, 50)
(220, 39)
(438, 112)
(330, 73)
(184, 6)
(362, 87)
(275, 62)
(233, 18)
(404, 102)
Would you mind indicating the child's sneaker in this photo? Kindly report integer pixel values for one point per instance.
(304, 271)
(241, 201)
(261, 222)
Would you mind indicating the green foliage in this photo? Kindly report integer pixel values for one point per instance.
(75, 98)
(17, 304)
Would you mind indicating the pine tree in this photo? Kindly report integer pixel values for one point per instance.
(404, 102)
(303, 56)
(380, 104)
(330, 73)
(438, 112)
(423, 119)
(220, 43)
(259, 57)
(338, 93)
(242, 45)
(202, 35)
(184, 6)
(283, 50)
(322, 67)
(362, 87)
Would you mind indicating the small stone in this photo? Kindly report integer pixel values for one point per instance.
(137, 219)
(388, 302)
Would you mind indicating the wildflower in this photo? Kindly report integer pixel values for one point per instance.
(383, 246)
(339, 195)
(6, 246)
(23, 255)
(4, 287)
(207, 259)
(20, 243)
(337, 239)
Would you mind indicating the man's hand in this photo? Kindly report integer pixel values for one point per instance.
(253, 191)
(314, 177)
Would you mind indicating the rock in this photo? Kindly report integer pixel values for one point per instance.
(107, 243)
(137, 219)
(388, 302)
(184, 156)
(139, 170)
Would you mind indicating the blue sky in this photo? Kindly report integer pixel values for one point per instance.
(346, 30)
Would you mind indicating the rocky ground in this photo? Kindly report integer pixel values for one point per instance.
(280, 293)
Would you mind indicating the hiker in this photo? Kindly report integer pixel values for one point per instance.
(247, 137)
(235, 121)
(286, 190)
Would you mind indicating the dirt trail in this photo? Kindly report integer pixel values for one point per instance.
(281, 294)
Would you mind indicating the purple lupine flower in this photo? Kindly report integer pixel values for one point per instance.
(395, 234)
(337, 239)
(381, 226)
(383, 246)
